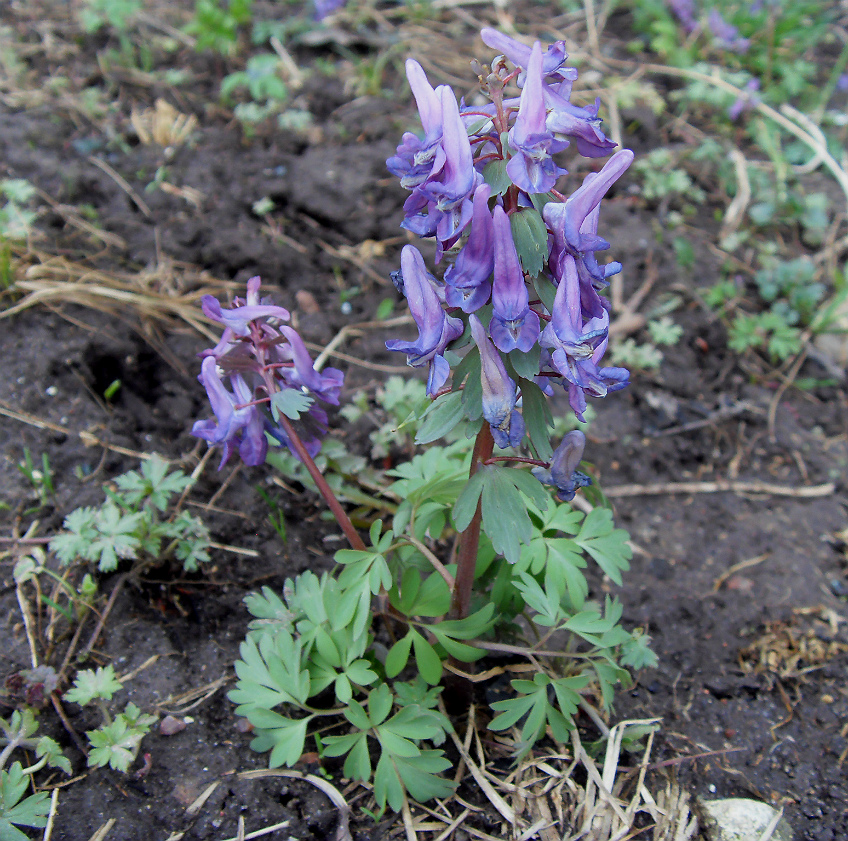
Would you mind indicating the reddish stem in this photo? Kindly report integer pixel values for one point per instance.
(469, 541)
(334, 505)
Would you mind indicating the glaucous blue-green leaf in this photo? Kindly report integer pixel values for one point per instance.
(530, 236)
(442, 415)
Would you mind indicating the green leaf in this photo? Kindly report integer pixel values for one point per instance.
(494, 174)
(153, 484)
(429, 663)
(270, 673)
(90, 685)
(525, 364)
(442, 415)
(537, 418)
(531, 239)
(606, 544)
(290, 402)
(398, 655)
(32, 811)
(466, 505)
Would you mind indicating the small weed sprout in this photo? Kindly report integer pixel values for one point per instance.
(19, 731)
(116, 741)
(131, 524)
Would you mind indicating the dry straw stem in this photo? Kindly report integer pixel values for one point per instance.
(167, 293)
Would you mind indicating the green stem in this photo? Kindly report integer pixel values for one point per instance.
(469, 541)
(333, 504)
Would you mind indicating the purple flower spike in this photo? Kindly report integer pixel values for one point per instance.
(498, 391)
(532, 169)
(513, 324)
(326, 385)
(563, 473)
(467, 283)
(232, 426)
(435, 329)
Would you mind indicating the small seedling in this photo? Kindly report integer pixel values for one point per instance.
(116, 742)
(41, 479)
(130, 524)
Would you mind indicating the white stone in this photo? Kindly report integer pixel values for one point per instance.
(740, 819)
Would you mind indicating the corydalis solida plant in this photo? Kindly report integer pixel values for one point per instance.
(524, 284)
(521, 301)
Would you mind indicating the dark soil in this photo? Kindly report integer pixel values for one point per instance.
(724, 581)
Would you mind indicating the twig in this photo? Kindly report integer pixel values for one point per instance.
(721, 486)
(435, 562)
(778, 395)
(736, 209)
(750, 562)
(137, 200)
(54, 804)
(494, 798)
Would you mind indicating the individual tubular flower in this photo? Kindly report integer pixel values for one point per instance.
(574, 224)
(499, 393)
(513, 324)
(467, 283)
(441, 204)
(562, 473)
(239, 317)
(236, 425)
(325, 385)
(519, 54)
(417, 158)
(436, 329)
(533, 169)
(577, 348)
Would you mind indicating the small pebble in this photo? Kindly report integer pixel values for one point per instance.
(51, 391)
(170, 725)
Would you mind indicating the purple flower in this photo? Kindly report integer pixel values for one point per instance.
(417, 159)
(499, 393)
(727, 35)
(684, 11)
(440, 205)
(261, 358)
(533, 169)
(436, 329)
(467, 283)
(240, 316)
(569, 338)
(581, 124)
(235, 424)
(562, 472)
(326, 385)
(578, 347)
(747, 101)
(574, 224)
(513, 324)
(520, 54)
(326, 7)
